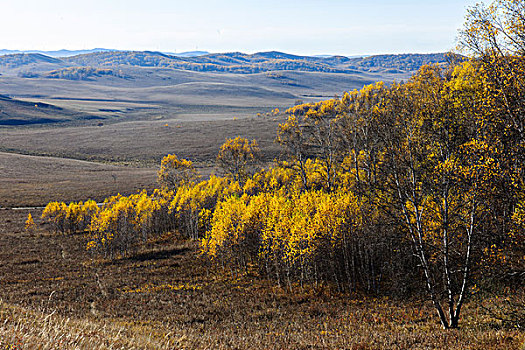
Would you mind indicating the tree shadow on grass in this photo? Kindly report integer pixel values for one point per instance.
(157, 255)
(150, 255)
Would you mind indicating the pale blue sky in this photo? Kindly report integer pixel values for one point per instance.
(345, 27)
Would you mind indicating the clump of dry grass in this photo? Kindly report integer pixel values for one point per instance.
(22, 328)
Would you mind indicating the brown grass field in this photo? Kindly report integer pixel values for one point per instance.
(142, 143)
(55, 295)
(35, 181)
(72, 163)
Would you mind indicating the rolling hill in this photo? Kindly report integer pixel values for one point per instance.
(16, 60)
(69, 53)
(17, 112)
(234, 62)
(237, 62)
(119, 85)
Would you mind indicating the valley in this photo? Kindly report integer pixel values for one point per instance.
(127, 110)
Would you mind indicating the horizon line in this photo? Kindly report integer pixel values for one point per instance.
(205, 52)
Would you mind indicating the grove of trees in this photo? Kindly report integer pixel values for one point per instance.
(416, 188)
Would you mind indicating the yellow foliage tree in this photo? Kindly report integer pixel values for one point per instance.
(29, 224)
(175, 172)
(237, 157)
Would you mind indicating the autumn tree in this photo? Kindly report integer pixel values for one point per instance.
(311, 132)
(361, 134)
(238, 157)
(434, 193)
(193, 204)
(494, 35)
(290, 135)
(175, 172)
(30, 224)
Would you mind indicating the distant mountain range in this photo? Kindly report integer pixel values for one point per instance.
(58, 53)
(35, 64)
(69, 53)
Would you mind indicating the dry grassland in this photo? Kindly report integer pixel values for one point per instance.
(35, 181)
(142, 142)
(56, 296)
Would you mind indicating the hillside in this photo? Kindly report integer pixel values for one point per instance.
(237, 62)
(68, 53)
(78, 73)
(404, 62)
(234, 62)
(17, 112)
(16, 60)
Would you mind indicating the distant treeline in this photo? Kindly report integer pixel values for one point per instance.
(263, 62)
(232, 62)
(74, 73)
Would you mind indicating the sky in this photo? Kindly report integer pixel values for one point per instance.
(307, 27)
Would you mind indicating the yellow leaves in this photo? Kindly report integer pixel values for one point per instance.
(29, 224)
(205, 216)
(290, 129)
(495, 255)
(327, 108)
(72, 218)
(465, 91)
(236, 156)
(189, 201)
(519, 214)
(311, 221)
(55, 212)
(124, 221)
(91, 245)
(299, 110)
(496, 28)
(517, 235)
(446, 166)
(227, 225)
(236, 225)
(291, 229)
(175, 172)
(482, 166)
(203, 195)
